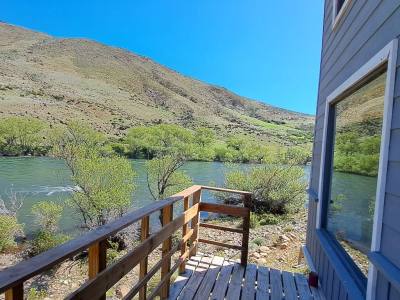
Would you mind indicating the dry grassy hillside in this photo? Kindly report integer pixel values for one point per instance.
(112, 89)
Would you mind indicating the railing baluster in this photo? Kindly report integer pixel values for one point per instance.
(195, 224)
(97, 260)
(144, 234)
(246, 228)
(15, 293)
(166, 247)
(184, 232)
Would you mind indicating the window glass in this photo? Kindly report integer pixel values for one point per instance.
(356, 151)
(339, 5)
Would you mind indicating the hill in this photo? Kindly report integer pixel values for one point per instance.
(112, 89)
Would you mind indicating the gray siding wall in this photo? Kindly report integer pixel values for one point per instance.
(365, 29)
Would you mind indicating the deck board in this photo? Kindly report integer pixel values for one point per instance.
(217, 278)
(221, 285)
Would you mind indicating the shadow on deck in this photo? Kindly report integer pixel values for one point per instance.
(215, 278)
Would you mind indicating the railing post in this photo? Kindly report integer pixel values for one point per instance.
(195, 224)
(246, 228)
(97, 260)
(166, 246)
(184, 232)
(144, 234)
(15, 293)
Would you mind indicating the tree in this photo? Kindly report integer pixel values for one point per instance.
(47, 215)
(105, 188)
(204, 136)
(105, 182)
(21, 135)
(159, 140)
(164, 177)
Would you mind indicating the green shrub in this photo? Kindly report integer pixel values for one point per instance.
(9, 228)
(277, 189)
(21, 136)
(34, 294)
(254, 223)
(258, 241)
(47, 215)
(269, 219)
(45, 240)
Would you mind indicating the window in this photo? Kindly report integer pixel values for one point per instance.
(353, 166)
(357, 132)
(339, 9)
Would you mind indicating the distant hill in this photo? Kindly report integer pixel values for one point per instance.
(112, 89)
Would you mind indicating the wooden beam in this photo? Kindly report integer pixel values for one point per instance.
(97, 260)
(246, 229)
(225, 209)
(184, 232)
(195, 223)
(212, 226)
(109, 277)
(156, 267)
(217, 189)
(220, 244)
(46, 260)
(166, 247)
(15, 293)
(144, 234)
(158, 289)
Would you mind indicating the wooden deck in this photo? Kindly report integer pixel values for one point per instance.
(218, 278)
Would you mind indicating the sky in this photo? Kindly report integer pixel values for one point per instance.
(260, 49)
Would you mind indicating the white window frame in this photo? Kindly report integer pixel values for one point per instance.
(337, 15)
(388, 56)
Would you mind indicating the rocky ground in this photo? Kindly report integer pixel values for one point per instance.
(276, 246)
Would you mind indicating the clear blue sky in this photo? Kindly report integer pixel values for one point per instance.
(261, 49)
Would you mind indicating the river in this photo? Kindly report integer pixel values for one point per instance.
(42, 178)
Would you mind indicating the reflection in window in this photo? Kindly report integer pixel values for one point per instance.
(358, 126)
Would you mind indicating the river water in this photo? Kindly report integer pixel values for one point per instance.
(42, 178)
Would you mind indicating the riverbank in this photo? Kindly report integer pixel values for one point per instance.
(276, 246)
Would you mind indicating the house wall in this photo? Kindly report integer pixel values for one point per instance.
(367, 27)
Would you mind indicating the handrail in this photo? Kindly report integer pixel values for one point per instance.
(102, 277)
(46, 260)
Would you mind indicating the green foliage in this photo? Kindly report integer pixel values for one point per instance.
(34, 294)
(106, 186)
(276, 189)
(45, 240)
(159, 140)
(164, 177)
(105, 182)
(269, 219)
(76, 140)
(47, 215)
(258, 241)
(254, 222)
(355, 153)
(21, 136)
(9, 229)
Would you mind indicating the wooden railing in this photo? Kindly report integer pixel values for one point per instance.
(103, 277)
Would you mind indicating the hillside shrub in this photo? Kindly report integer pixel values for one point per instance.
(277, 189)
(21, 136)
(9, 229)
(47, 215)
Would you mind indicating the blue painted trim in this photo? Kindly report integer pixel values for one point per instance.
(386, 267)
(312, 194)
(348, 275)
